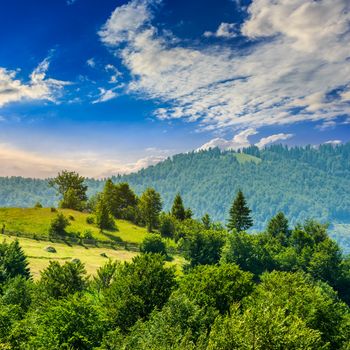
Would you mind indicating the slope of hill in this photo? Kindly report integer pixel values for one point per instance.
(303, 182)
(37, 221)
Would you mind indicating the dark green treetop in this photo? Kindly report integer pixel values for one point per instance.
(240, 218)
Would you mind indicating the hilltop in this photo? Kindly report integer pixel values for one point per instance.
(303, 182)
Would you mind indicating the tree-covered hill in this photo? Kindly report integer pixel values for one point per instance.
(303, 182)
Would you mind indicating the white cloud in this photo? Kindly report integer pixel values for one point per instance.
(272, 139)
(105, 95)
(19, 162)
(91, 62)
(37, 88)
(303, 57)
(115, 73)
(225, 30)
(334, 142)
(241, 140)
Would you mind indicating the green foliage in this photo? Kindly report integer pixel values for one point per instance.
(153, 243)
(203, 247)
(240, 218)
(138, 288)
(13, 262)
(72, 323)
(167, 225)
(38, 205)
(150, 207)
(216, 286)
(104, 219)
(58, 281)
(206, 221)
(58, 225)
(278, 225)
(104, 275)
(70, 185)
(178, 209)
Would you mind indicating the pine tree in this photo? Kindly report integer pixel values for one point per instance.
(278, 225)
(178, 209)
(240, 218)
(206, 221)
(150, 207)
(104, 220)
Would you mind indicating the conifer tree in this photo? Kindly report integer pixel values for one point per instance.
(278, 225)
(104, 220)
(150, 207)
(240, 218)
(178, 209)
(206, 221)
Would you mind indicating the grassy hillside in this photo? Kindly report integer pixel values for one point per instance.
(39, 258)
(37, 221)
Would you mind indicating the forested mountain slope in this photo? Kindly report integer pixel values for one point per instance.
(302, 182)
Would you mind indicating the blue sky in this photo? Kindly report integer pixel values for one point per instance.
(112, 86)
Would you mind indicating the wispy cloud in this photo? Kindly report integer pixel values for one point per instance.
(20, 162)
(296, 58)
(225, 30)
(91, 62)
(105, 95)
(39, 87)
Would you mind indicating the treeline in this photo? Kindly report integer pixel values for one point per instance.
(303, 182)
(284, 288)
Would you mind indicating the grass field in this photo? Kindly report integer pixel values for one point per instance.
(37, 221)
(39, 258)
(244, 158)
(91, 257)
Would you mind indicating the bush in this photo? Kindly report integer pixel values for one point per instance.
(38, 205)
(153, 243)
(53, 210)
(87, 234)
(90, 220)
(71, 217)
(50, 249)
(58, 225)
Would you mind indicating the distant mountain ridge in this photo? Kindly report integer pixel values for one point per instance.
(303, 182)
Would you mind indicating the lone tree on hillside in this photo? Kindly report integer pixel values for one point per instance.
(72, 188)
(178, 209)
(150, 207)
(104, 219)
(240, 218)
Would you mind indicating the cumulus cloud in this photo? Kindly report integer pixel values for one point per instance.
(39, 87)
(225, 30)
(241, 140)
(19, 162)
(272, 139)
(297, 57)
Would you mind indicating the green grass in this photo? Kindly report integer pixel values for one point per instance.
(37, 221)
(244, 158)
(39, 258)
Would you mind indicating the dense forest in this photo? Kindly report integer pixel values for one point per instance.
(193, 285)
(284, 288)
(303, 182)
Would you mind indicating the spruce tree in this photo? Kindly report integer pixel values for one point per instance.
(240, 218)
(104, 219)
(278, 225)
(178, 209)
(150, 207)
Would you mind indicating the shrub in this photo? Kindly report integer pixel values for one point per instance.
(38, 205)
(87, 234)
(153, 243)
(58, 225)
(71, 217)
(53, 210)
(90, 220)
